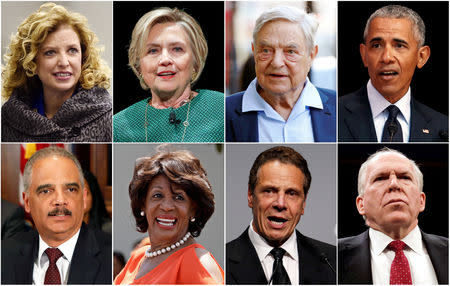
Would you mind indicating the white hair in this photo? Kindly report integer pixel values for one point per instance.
(308, 23)
(362, 176)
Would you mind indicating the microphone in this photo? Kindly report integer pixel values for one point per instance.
(173, 118)
(392, 129)
(324, 259)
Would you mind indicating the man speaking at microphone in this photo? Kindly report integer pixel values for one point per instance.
(269, 251)
(384, 110)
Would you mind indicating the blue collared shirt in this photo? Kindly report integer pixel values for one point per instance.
(272, 127)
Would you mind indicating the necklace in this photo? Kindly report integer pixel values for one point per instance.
(150, 254)
(185, 122)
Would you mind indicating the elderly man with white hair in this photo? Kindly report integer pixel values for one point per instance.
(281, 104)
(393, 250)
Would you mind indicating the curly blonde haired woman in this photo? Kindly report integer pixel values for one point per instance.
(55, 81)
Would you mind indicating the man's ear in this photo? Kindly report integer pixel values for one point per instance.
(362, 51)
(250, 198)
(314, 52)
(360, 205)
(26, 202)
(422, 201)
(303, 207)
(84, 197)
(423, 56)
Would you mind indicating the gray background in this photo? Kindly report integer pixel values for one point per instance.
(319, 220)
(124, 228)
(99, 15)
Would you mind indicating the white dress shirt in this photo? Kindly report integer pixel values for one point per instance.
(378, 105)
(63, 263)
(272, 127)
(422, 271)
(290, 259)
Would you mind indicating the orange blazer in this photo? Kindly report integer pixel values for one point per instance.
(181, 267)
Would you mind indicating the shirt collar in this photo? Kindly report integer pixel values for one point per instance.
(263, 248)
(252, 101)
(66, 248)
(378, 103)
(379, 241)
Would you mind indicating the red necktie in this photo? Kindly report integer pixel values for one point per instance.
(52, 275)
(400, 273)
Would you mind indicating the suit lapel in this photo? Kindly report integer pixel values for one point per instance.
(84, 265)
(355, 261)
(245, 266)
(308, 270)
(359, 119)
(245, 124)
(322, 122)
(419, 129)
(438, 253)
(23, 270)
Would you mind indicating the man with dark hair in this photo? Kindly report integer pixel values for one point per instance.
(63, 250)
(269, 250)
(384, 110)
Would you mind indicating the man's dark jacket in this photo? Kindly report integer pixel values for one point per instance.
(354, 258)
(243, 265)
(91, 260)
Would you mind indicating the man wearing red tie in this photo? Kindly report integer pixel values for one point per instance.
(63, 250)
(393, 250)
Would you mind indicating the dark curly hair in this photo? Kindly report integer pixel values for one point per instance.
(180, 167)
(285, 155)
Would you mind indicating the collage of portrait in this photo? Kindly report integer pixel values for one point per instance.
(224, 142)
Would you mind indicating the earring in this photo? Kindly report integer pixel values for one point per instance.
(142, 213)
(192, 219)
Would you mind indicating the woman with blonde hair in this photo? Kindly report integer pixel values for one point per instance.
(55, 81)
(167, 53)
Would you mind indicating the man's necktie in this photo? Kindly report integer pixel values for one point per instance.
(400, 273)
(52, 275)
(392, 131)
(279, 273)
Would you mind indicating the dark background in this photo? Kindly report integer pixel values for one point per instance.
(433, 162)
(430, 83)
(210, 16)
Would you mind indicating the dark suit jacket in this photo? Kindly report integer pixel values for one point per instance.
(355, 121)
(354, 258)
(243, 266)
(243, 126)
(91, 260)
